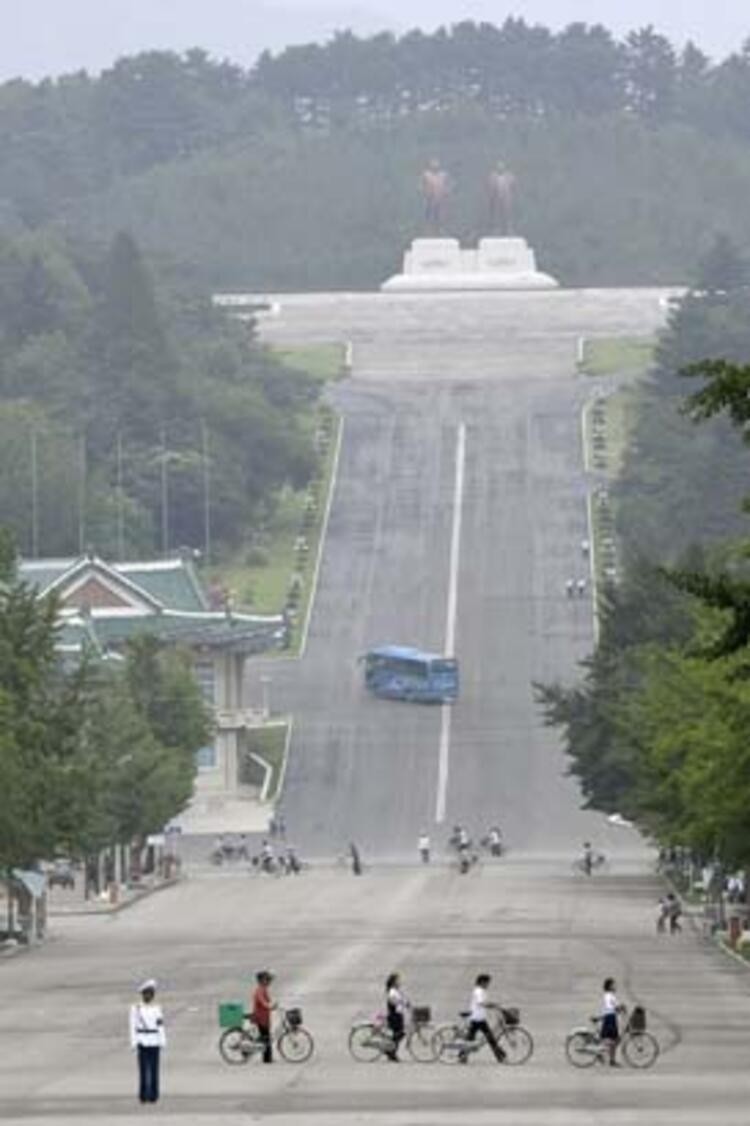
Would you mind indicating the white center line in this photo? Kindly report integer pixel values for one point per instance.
(450, 624)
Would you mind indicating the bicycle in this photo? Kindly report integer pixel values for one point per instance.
(451, 1043)
(584, 1046)
(372, 1040)
(295, 1044)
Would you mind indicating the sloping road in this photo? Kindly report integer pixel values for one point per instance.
(502, 368)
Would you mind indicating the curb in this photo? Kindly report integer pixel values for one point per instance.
(115, 908)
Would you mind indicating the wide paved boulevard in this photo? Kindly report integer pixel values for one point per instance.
(458, 514)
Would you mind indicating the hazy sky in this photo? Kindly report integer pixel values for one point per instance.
(50, 37)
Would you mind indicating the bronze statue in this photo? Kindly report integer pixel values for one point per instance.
(435, 190)
(501, 185)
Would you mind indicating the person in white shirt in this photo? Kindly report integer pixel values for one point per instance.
(610, 1029)
(147, 1037)
(424, 848)
(478, 1019)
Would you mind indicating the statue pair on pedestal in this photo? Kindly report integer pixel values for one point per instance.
(437, 186)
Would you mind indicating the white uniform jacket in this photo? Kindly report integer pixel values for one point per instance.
(147, 1026)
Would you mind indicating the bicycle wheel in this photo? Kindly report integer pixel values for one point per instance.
(235, 1046)
(420, 1044)
(447, 1044)
(365, 1043)
(640, 1049)
(581, 1049)
(517, 1044)
(296, 1045)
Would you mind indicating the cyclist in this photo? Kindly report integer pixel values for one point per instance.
(478, 1019)
(610, 1027)
(395, 1007)
(262, 1008)
(424, 847)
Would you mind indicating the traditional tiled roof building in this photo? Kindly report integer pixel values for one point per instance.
(104, 605)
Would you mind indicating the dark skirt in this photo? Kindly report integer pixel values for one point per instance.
(610, 1031)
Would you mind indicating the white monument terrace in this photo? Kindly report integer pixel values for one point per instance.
(442, 264)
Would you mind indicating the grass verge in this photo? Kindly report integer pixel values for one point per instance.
(323, 362)
(614, 355)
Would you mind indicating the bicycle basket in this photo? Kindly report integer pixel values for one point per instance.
(637, 1022)
(231, 1014)
(294, 1017)
(421, 1014)
(512, 1017)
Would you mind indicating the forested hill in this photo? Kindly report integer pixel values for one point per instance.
(302, 172)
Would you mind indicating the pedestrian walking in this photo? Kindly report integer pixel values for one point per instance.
(478, 1019)
(147, 1038)
(356, 859)
(262, 1007)
(581, 587)
(570, 587)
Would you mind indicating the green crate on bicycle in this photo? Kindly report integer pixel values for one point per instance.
(231, 1014)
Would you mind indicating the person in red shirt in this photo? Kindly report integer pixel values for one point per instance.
(263, 1006)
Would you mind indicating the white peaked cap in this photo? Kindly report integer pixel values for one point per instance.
(150, 983)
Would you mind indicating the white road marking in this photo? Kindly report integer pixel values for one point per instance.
(450, 624)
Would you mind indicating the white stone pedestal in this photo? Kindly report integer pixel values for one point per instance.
(434, 264)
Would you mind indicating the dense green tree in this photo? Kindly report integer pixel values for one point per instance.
(166, 695)
(651, 74)
(646, 611)
(113, 378)
(90, 755)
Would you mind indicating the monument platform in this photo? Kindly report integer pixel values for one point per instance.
(434, 264)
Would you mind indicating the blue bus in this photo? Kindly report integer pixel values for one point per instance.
(397, 672)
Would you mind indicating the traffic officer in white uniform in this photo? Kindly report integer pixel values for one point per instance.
(147, 1037)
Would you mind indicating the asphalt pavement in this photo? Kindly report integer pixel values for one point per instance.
(548, 936)
(503, 368)
(500, 370)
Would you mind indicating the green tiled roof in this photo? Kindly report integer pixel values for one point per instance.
(213, 630)
(41, 572)
(176, 586)
(171, 595)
